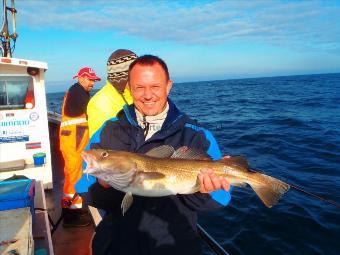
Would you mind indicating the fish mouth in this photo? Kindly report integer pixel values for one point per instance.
(91, 164)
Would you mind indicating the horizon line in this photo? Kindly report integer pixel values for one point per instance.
(229, 79)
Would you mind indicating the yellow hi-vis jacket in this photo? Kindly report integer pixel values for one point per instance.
(104, 105)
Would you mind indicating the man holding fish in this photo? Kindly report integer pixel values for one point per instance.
(155, 172)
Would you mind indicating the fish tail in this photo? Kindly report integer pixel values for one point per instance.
(269, 189)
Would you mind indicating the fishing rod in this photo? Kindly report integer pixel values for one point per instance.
(5, 35)
(305, 192)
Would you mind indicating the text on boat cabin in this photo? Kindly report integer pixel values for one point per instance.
(24, 137)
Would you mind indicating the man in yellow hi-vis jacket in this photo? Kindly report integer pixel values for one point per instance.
(74, 137)
(109, 100)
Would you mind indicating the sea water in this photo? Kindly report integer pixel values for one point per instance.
(287, 127)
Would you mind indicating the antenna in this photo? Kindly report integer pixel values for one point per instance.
(5, 35)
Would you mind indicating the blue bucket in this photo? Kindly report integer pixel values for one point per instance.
(39, 158)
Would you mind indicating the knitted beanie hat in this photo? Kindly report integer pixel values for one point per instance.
(118, 68)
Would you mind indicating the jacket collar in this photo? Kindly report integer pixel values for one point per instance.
(77, 84)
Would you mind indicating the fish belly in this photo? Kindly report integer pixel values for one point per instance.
(164, 187)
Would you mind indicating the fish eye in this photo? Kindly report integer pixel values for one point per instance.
(105, 154)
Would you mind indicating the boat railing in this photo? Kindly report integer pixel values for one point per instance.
(210, 241)
(54, 117)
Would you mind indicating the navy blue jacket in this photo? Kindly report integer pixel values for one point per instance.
(77, 101)
(161, 225)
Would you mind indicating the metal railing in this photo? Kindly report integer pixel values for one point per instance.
(210, 241)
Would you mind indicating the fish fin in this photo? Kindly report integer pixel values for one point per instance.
(126, 202)
(197, 185)
(270, 189)
(163, 151)
(190, 153)
(236, 161)
(149, 175)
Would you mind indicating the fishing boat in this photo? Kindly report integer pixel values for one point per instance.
(29, 148)
(26, 157)
(24, 151)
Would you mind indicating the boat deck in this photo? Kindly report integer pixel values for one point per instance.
(65, 240)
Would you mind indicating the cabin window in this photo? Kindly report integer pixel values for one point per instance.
(16, 93)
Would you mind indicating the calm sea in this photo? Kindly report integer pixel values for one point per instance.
(288, 127)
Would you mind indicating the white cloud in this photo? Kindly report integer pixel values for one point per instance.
(302, 25)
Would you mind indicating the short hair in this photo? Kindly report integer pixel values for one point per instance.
(149, 60)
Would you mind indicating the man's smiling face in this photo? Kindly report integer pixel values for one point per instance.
(149, 88)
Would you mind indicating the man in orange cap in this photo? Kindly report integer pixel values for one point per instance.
(74, 137)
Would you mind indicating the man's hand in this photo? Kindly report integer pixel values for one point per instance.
(211, 182)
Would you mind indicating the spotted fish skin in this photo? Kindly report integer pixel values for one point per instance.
(154, 175)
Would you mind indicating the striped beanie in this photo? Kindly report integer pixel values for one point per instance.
(118, 68)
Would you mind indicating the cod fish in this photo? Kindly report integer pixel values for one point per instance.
(163, 171)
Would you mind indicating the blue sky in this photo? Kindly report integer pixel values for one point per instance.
(199, 40)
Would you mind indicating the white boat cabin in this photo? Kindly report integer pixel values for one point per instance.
(24, 136)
